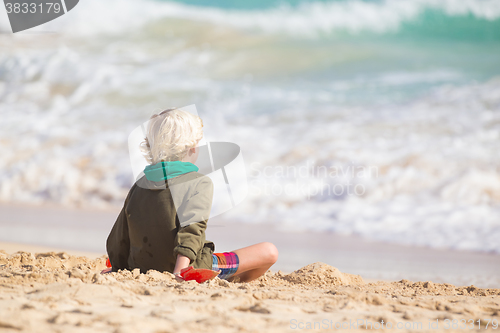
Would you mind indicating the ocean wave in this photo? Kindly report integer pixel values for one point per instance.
(436, 180)
(306, 20)
(433, 175)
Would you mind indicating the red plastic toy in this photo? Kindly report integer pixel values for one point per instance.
(199, 274)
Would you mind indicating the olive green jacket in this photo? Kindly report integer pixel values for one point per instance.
(147, 233)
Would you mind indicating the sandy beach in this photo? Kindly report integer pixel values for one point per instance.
(360, 137)
(58, 228)
(321, 282)
(62, 292)
(50, 281)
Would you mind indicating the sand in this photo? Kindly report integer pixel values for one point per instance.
(63, 228)
(61, 292)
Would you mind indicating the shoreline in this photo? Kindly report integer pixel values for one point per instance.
(85, 231)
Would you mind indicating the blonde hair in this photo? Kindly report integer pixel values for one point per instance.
(170, 135)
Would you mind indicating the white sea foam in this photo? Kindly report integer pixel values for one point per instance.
(436, 180)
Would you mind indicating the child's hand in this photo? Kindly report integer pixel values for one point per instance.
(178, 277)
(180, 265)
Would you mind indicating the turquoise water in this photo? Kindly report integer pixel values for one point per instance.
(430, 24)
(371, 39)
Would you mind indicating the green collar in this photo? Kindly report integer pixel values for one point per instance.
(165, 170)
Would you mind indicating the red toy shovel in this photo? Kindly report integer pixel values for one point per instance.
(198, 274)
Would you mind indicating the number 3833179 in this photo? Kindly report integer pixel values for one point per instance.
(456, 324)
(33, 7)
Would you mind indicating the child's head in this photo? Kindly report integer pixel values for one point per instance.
(171, 134)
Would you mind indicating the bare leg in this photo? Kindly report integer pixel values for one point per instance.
(255, 260)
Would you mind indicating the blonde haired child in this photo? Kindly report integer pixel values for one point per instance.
(163, 221)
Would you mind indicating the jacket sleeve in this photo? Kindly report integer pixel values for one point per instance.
(193, 217)
(118, 242)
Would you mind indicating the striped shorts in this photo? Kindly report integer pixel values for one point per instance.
(226, 262)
